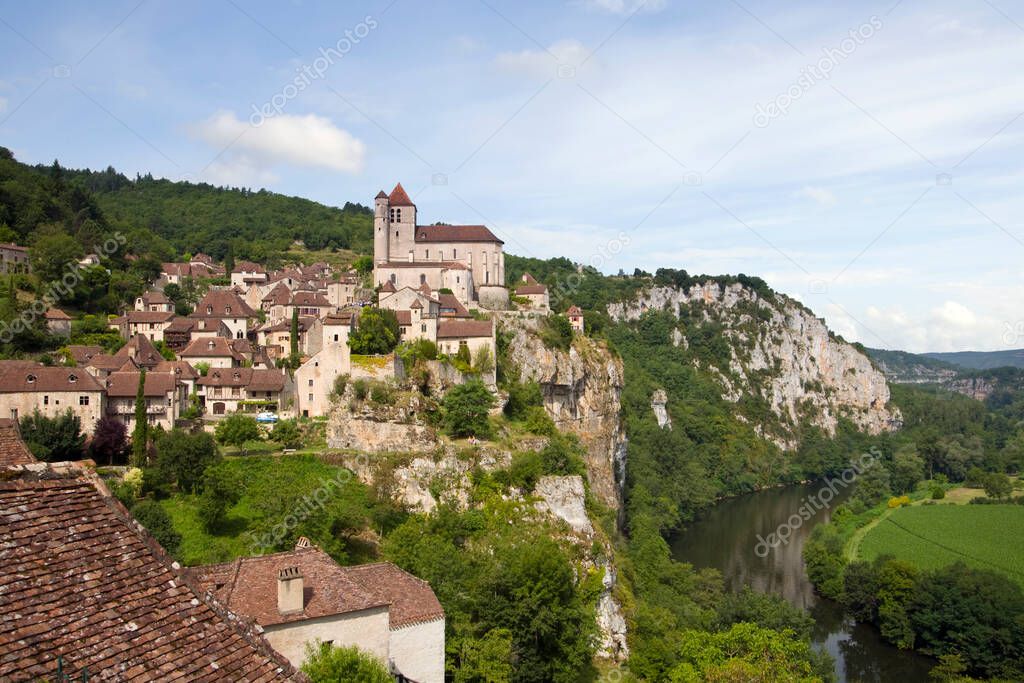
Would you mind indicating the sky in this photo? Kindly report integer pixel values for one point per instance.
(862, 157)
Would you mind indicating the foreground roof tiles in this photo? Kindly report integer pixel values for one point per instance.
(13, 450)
(79, 579)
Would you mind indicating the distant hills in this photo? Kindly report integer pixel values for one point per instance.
(981, 360)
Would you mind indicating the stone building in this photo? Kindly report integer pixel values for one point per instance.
(52, 390)
(302, 595)
(455, 257)
(14, 259)
(575, 316)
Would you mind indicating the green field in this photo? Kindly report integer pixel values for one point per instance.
(932, 536)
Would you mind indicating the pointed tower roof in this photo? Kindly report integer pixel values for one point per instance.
(399, 197)
(381, 195)
(388, 287)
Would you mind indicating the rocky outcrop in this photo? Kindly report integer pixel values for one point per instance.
(581, 389)
(376, 428)
(659, 399)
(611, 624)
(564, 498)
(781, 353)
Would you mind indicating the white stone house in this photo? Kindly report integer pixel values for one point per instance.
(216, 352)
(229, 390)
(150, 324)
(165, 398)
(26, 387)
(246, 273)
(302, 595)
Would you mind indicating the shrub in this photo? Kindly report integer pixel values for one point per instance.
(938, 493)
(340, 383)
(556, 332)
(382, 393)
(237, 429)
(151, 515)
(521, 396)
(53, 439)
(287, 433)
(326, 663)
(465, 408)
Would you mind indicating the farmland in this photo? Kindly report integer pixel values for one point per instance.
(932, 536)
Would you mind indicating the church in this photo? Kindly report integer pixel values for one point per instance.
(466, 259)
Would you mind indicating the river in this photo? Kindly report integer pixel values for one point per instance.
(725, 538)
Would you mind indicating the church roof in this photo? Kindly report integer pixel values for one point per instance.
(455, 233)
(381, 195)
(399, 197)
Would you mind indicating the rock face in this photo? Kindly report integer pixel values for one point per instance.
(611, 624)
(581, 389)
(782, 353)
(659, 399)
(564, 498)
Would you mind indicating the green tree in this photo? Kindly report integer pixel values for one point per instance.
(326, 663)
(487, 659)
(287, 433)
(52, 252)
(907, 469)
(745, 652)
(157, 522)
(140, 434)
(378, 332)
(997, 485)
(53, 439)
(363, 265)
(237, 430)
(229, 259)
(221, 490)
(183, 457)
(109, 440)
(465, 409)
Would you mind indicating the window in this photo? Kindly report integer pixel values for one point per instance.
(426, 254)
(209, 309)
(83, 400)
(46, 400)
(311, 397)
(423, 327)
(310, 382)
(398, 214)
(394, 278)
(423, 279)
(455, 253)
(14, 413)
(335, 337)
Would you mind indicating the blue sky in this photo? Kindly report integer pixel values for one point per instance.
(864, 157)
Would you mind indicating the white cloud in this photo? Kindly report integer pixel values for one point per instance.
(624, 6)
(545, 63)
(821, 195)
(309, 140)
(239, 171)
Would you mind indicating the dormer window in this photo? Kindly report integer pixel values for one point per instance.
(31, 379)
(227, 309)
(72, 378)
(209, 309)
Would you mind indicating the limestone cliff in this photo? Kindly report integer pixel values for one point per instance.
(779, 353)
(581, 389)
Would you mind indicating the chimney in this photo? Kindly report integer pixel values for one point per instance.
(289, 591)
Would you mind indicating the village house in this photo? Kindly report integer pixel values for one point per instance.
(227, 307)
(176, 273)
(575, 316)
(155, 301)
(275, 302)
(342, 291)
(183, 372)
(214, 352)
(303, 595)
(150, 324)
(276, 338)
(312, 304)
(474, 335)
(461, 258)
(52, 390)
(82, 353)
(229, 390)
(87, 587)
(165, 398)
(246, 273)
(140, 350)
(14, 259)
(534, 292)
(314, 379)
(178, 333)
(102, 364)
(58, 322)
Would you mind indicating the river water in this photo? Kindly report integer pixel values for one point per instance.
(725, 538)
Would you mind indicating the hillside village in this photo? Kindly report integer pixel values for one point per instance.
(273, 344)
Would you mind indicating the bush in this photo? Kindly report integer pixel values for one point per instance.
(556, 332)
(287, 433)
(326, 663)
(382, 393)
(340, 383)
(465, 408)
(237, 429)
(522, 396)
(53, 439)
(151, 515)
(361, 389)
(938, 493)
(183, 457)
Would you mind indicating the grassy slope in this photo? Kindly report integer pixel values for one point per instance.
(934, 536)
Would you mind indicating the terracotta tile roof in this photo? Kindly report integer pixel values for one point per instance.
(463, 329)
(56, 314)
(412, 600)
(529, 279)
(81, 580)
(126, 384)
(155, 297)
(104, 361)
(180, 368)
(222, 303)
(574, 310)
(309, 299)
(398, 197)
(278, 296)
(249, 586)
(210, 347)
(252, 379)
(339, 318)
(148, 316)
(16, 377)
(13, 450)
(180, 324)
(13, 247)
(83, 352)
(305, 322)
(141, 350)
(388, 286)
(523, 290)
(451, 307)
(404, 318)
(455, 233)
(247, 267)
